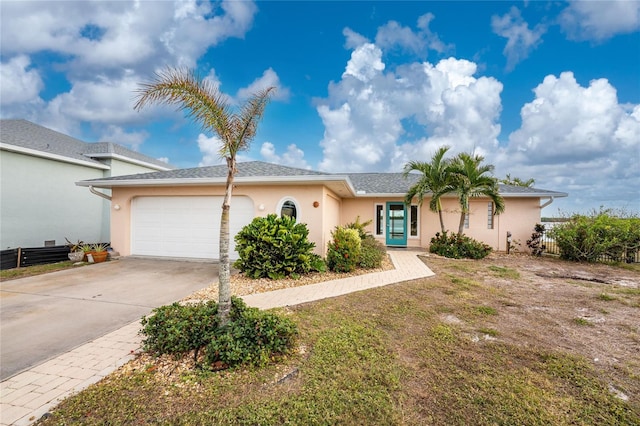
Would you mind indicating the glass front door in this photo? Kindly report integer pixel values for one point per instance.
(396, 224)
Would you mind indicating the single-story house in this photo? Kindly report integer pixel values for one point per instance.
(176, 213)
(40, 204)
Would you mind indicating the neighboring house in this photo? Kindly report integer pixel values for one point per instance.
(177, 213)
(39, 201)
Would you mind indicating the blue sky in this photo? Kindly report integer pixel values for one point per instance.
(549, 90)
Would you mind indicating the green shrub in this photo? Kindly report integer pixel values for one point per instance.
(177, 329)
(360, 227)
(275, 247)
(458, 246)
(372, 252)
(252, 337)
(344, 250)
(535, 242)
(588, 238)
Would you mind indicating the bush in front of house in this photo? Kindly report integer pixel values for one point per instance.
(588, 238)
(458, 246)
(372, 252)
(535, 243)
(343, 253)
(252, 336)
(275, 247)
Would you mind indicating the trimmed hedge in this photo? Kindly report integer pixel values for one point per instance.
(458, 246)
(251, 337)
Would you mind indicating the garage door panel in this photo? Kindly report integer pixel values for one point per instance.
(184, 226)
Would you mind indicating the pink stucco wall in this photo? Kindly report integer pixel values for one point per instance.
(520, 216)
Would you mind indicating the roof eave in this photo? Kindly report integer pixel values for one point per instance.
(51, 156)
(128, 160)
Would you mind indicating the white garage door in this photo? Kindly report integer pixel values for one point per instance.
(184, 226)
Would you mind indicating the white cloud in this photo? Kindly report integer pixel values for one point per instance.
(19, 83)
(353, 39)
(600, 20)
(578, 138)
(365, 62)
(210, 149)
(163, 159)
(293, 157)
(117, 134)
(520, 39)
(376, 119)
(106, 49)
(269, 78)
(392, 34)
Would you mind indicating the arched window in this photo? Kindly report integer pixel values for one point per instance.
(288, 207)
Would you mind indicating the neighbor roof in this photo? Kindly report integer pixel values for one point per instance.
(25, 136)
(261, 173)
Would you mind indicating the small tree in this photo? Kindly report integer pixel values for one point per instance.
(435, 179)
(469, 178)
(535, 242)
(206, 105)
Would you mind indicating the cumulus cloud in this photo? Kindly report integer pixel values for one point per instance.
(118, 135)
(371, 115)
(269, 78)
(578, 138)
(210, 149)
(105, 49)
(20, 83)
(293, 157)
(600, 20)
(520, 39)
(392, 35)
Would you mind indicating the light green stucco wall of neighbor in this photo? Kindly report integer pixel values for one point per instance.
(39, 201)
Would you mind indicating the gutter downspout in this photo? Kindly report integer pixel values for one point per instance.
(551, 199)
(99, 194)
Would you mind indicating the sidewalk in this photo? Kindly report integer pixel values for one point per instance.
(27, 396)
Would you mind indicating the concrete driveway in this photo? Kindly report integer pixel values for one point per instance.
(46, 315)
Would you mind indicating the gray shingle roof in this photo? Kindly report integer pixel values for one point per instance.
(25, 134)
(245, 169)
(382, 183)
(363, 183)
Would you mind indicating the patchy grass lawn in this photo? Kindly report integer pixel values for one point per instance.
(28, 271)
(485, 342)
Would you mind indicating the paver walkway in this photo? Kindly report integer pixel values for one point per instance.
(27, 396)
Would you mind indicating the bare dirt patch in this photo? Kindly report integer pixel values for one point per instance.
(590, 310)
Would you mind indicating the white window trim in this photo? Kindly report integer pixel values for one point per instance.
(295, 203)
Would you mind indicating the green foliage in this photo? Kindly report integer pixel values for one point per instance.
(275, 247)
(588, 238)
(176, 329)
(372, 253)
(458, 246)
(535, 242)
(360, 227)
(252, 336)
(344, 250)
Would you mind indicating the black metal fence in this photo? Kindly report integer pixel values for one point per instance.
(29, 256)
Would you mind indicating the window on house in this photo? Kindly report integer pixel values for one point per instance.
(414, 221)
(379, 219)
(490, 216)
(289, 208)
(466, 221)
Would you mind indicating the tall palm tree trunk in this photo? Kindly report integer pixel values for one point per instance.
(224, 277)
(461, 225)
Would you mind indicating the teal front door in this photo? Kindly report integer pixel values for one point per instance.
(396, 224)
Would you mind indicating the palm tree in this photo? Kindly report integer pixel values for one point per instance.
(206, 105)
(435, 177)
(508, 180)
(470, 179)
